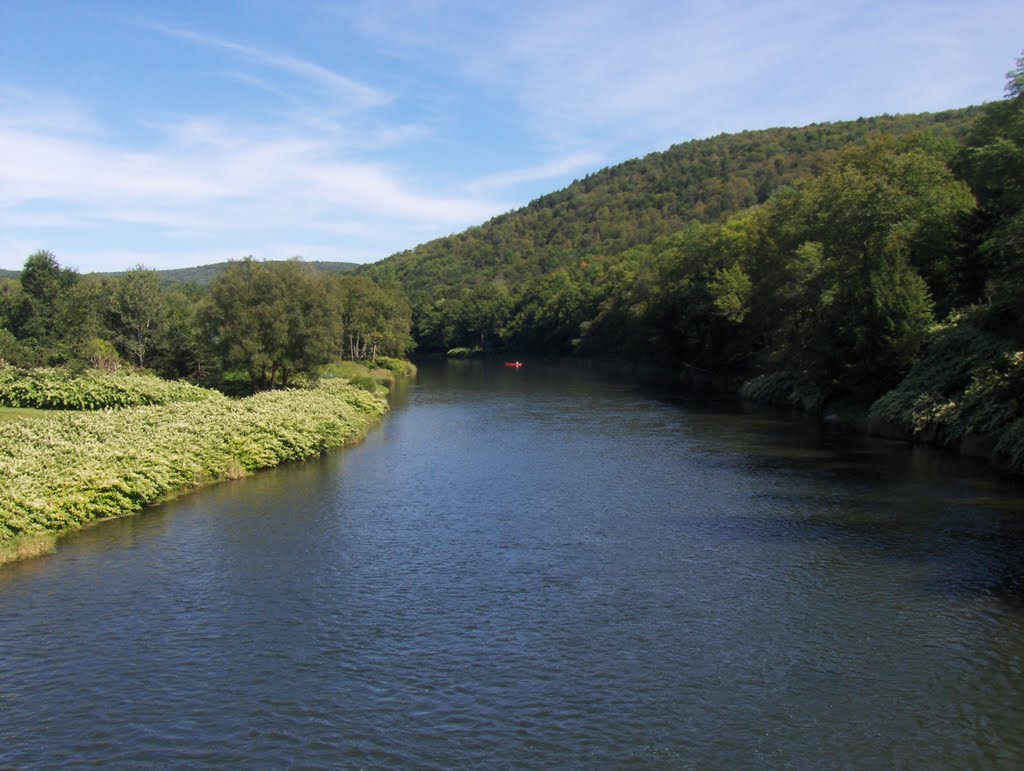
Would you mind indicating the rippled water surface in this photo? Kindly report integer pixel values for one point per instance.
(538, 568)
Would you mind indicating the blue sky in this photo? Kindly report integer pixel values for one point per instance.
(177, 134)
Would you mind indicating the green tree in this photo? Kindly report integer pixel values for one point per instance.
(45, 285)
(138, 314)
(876, 216)
(376, 320)
(273, 320)
(993, 164)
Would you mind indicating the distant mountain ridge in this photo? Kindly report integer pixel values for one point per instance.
(202, 275)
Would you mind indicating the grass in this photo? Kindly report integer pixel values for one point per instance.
(376, 377)
(20, 413)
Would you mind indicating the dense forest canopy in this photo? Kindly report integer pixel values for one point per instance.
(823, 254)
(483, 279)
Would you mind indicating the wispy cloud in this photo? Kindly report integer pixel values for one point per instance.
(647, 73)
(204, 180)
(28, 110)
(545, 171)
(469, 110)
(359, 94)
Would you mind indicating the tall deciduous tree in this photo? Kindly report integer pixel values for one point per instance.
(45, 285)
(273, 319)
(138, 314)
(376, 320)
(876, 216)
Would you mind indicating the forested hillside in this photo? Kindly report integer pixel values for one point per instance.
(839, 264)
(877, 261)
(469, 288)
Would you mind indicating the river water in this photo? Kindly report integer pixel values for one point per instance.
(538, 568)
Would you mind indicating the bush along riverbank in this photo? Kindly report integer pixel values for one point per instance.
(64, 471)
(55, 388)
(964, 393)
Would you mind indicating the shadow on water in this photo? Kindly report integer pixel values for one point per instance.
(832, 484)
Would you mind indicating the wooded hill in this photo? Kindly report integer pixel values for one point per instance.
(620, 207)
(820, 266)
(203, 275)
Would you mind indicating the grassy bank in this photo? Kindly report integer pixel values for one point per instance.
(376, 377)
(22, 413)
(63, 471)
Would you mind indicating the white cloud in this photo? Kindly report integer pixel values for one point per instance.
(491, 101)
(360, 95)
(203, 165)
(644, 74)
(559, 167)
(238, 188)
(52, 113)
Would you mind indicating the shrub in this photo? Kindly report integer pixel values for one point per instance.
(967, 382)
(58, 389)
(400, 367)
(784, 389)
(465, 353)
(63, 471)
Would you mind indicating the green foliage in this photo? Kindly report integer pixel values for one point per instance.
(967, 383)
(204, 275)
(273, 320)
(62, 472)
(372, 378)
(10, 349)
(399, 367)
(461, 352)
(101, 354)
(873, 215)
(365, 382)
(60, 389)
(376, 319)
(279, 320)
(138, 314)
(993, 164)
(784, 389)
(489, 285)
(731, 289)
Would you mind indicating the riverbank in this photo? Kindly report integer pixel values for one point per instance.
(65, 471)
(964, 394)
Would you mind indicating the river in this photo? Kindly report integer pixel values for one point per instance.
(538, 568)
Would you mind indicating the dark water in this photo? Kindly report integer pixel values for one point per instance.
(541, 568)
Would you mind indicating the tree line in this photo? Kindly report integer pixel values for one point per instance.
(820, 256)
(256, 326)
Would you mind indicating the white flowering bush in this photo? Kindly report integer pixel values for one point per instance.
(52, 388)
(64, 471)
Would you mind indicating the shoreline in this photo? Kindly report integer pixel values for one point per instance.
(73, 470)
(857, 416)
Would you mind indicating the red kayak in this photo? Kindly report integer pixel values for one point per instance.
(516, 364)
